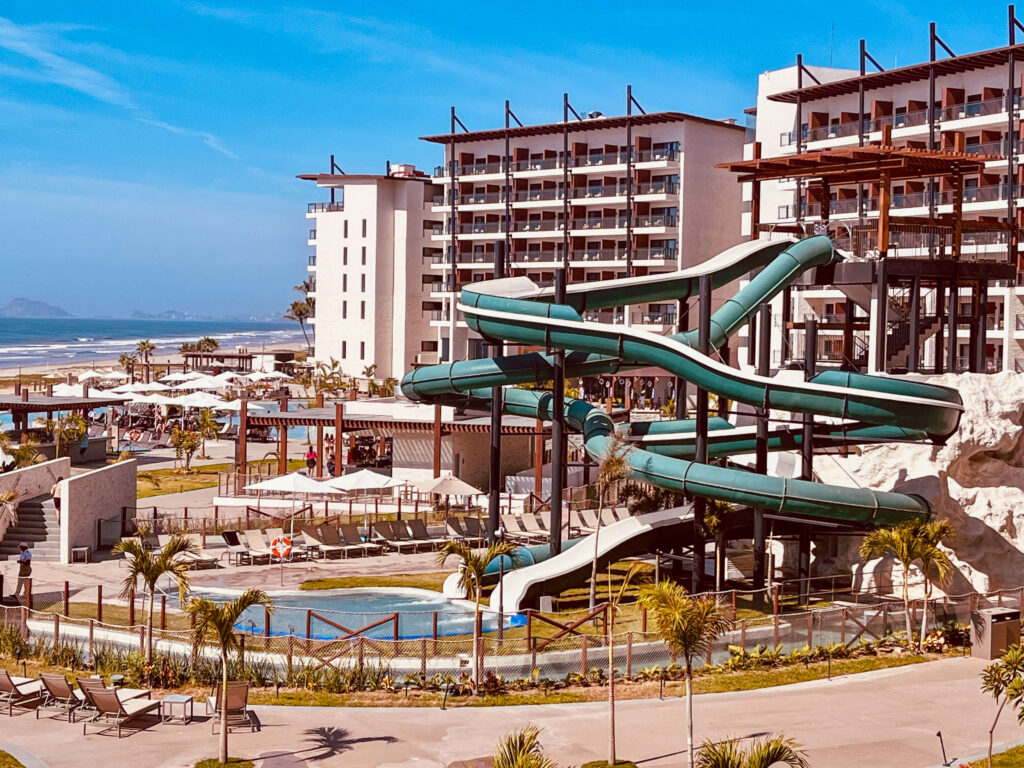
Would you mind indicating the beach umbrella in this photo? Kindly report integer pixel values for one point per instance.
(206, 382)
(448, 485)
(264, 375)
(153, 386)
(293, 483)
(90, 374)
(199, 400)
(236, 406)
(113, 376)
(363, 480)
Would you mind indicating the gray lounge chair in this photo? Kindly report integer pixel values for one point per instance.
(59, 695)
(386, 533)
(419, 532)
(258, 549)
(20, 692)
(312, 539)
(112, 712)
(350, 533)
(195, 559)
(236, 549)
(236, 701)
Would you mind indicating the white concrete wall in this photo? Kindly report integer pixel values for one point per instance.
(37, 479)
(91, 497)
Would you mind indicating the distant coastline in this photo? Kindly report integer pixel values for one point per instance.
(59, 343)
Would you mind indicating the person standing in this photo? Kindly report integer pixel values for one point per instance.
(55, 492)
(310, 460)
(24, 569)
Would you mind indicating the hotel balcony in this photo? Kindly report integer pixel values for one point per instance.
(311, 264)
(659, 321)
(537, 168)
(609, 225)
(536, 228)
(312, 237)
(324, 207)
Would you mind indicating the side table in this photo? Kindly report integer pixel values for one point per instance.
(168, 703)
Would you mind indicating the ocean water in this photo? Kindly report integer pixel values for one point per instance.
(64, 341)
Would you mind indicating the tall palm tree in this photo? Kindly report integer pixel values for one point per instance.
(907, 543)
(207, 344)
(1003, 680)
(300, 312)
(522, 749)
(688, 625)
(215, 622)
(144, 349)
(148, 567)
(636, 571)
(612, 467)
(934, 561)
(473, 563)
(128, 362)
(763, 753)
(307, 287)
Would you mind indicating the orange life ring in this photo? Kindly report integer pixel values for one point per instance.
(281, 546)
(134, 435)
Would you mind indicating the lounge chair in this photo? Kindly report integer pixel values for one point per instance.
(59, 695)
(258, 549)
(330, 535)
(402, 533)
(297, 549)
(419, 532)
(386, 533)
(530, 525)
(515, 532)
(350, 533)
(195, 559)
(475, 529)
(621, 513)
(608, 517)
(112, 711)
(312, 540)
(236, 702)
(236, 549)
(86, 685)
(214, 553)
(576, 521)
(18, 692)
(589, 518)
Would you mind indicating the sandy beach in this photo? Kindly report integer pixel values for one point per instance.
(60, 372)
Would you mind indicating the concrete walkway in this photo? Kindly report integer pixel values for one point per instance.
(886, 718)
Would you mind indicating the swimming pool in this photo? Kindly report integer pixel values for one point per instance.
(357, 608)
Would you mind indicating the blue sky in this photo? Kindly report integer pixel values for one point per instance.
(148, 150)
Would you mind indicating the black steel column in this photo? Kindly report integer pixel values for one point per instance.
(764, 344)
(494, 474)
(807, 457)
(952, 323)
(508, 190)
(566, 213)
(454, 244)
(914, 339)
(799, 212)
(701, 453)
(558, 430)
(629, 181)
(683, 313)
(1011, 137)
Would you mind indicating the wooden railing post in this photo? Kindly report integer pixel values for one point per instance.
(64, 601)
(629, 654)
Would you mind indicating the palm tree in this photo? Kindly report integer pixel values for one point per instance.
(934, 560)
(1004, 681)
(207, 344)
(66, 429)
(766, 752)
(208, 427)
(148, 567)
(215, 622)
(688, 625)
(522, 749)
(300, 312)
(907, 543)
(612, 467)
(144, 349)
(306, 288)
(23, 454)
(635, 571)
(128, 362)
(471, 576)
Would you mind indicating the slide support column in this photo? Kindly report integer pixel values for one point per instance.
(764, 343)
(558, 430)
(807, 457)
(701, 457)
(494, 472)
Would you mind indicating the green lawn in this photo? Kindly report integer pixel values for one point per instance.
(431, 580)
(157, 482)
(233, 762)
(1011, 758)
(6, 761)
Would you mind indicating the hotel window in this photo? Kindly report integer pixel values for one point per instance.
(364, 229)
(362, 350)
(344, 282)
(362, 283)
(344, 310)
(364, 255)
(344, 349)
(362, 310)
(344, 228)
(344, 256)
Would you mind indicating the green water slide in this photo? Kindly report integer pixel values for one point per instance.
(861, 408)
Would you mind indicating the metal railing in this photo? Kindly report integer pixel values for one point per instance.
(324, 207)
(601, 158)
(537, 164)
(612, 190)
(312, 234)
(656, 220)
(536, 195)
(599, 222)
(538, 225)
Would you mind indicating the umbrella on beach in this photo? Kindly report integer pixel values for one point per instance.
(263, 375)
(112, 376)
(236, 405)
(448, 485)
(199, 400)
(363, 480)
(90, 374)
(153, 386)
(205, 382)
(183, 376)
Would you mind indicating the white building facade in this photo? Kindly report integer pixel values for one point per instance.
(371, 267)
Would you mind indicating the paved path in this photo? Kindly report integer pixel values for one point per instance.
(887, 718)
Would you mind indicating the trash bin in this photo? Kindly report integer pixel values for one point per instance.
(993, 630)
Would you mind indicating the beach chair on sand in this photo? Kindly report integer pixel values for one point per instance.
(87, 685)
(112, 712)
(530, 525)
(350, 534)
(589, 518)
(477, 528)
(236, 701)
(258, 549)
(419, 532)
(59, 695)
(608, 517)
(20, 692)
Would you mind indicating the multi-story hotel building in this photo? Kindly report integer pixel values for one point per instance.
(371, 270)
(945, 308)
(602, 197)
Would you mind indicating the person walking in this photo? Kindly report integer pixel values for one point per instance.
(310, 460)
(55, 492)
(24, 569)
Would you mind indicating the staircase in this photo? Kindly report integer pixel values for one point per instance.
(898, 344)
(37, 525)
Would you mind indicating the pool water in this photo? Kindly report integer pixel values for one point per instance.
(357, 608)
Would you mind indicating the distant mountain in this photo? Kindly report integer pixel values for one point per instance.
(27, 308)
(173, 314)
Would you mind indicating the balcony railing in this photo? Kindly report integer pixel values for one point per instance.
(481, 227)
(312, 260)
(535, 256)
(617, 254)
(324, 207)
(654, 318)
(534, 195)
(656, 188)
(655, 220)
(610, 190)
(601, 158)
(611, 317)
(440, 314)
(312, 234)
(539, 225)
(537, 164)
(663, 153)
(600, 222)
(473, 169)
(481, 198)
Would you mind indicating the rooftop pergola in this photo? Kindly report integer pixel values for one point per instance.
(22, 403)
(241, 360)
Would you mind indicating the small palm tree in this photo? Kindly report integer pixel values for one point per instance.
(207, 344)
(145, 349)
(612, 467)
(908, 542)
(148, 567)
(522, 749)
(935, 563)
(471, 571)
(128, 362)
(688, 625)
(763, 753)
(215, 622)
(300, 312)
(208, 427)
(636, 572)
(66, 429)
(1003, 680)
(23, 454)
